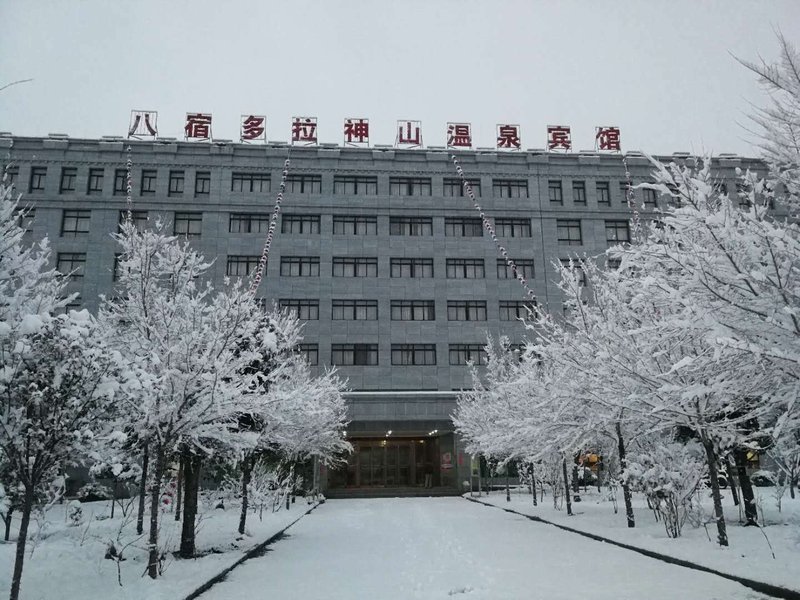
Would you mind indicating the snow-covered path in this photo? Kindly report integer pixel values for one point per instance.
(404, 548)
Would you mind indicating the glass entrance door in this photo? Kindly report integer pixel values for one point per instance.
(379, 463)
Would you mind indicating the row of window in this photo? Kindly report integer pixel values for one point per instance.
(401, 354)
(405, 310)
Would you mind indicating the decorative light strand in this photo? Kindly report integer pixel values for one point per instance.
(262, 263)
(487, 224)
(630, 196)
(129, 186)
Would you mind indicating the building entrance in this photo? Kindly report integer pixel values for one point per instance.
(383, 463)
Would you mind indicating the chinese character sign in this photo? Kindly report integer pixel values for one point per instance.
(198, 126)
(607, 138)
(559, 137)
(356, 132)
(459, 135)
(508, 137)
(304, 130)
(409, 134)
(144, 123)
(253, 128)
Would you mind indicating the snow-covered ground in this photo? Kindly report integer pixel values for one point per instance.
(430, 548)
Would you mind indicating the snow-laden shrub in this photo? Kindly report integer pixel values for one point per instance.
(668, 475)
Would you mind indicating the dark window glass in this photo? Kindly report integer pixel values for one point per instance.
(355, 225)
(248, 223)
(72, 264)
(410, 226)
(461, 354)
(579, 272)
(10, 176)
(354, 354)
(25, 216)
(463, 226)
(510, 188)
(250, 182)
(413, 310)
(355, 266)
(355, 185)
(617, 232)
(411, 267)
(579, 192)
(188, 224)
(305, 310)
(649, 197)
(512, 227)
(465, 268)
(413, 354)
(176, 183)
(410, 186)
(524, 268)
(68, 177)
(569, 232)
(311, 353)
(242, 266)
(75, 223)
(148, 182)
(625, 193)
(304, 184)
(554, 192)
(300, 224)
(300, 266)
(38, 178)
(138, 217)
(120, 182)
(354, 310)
(454, 187)
(603, 193)
(202, 183)
(95, 183)
(511, 310)
(466, 310)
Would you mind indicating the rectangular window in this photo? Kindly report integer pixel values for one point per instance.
(411, 267)
(72, 264)
(569, 232)
(524, 268)
(576, 266)
(511, 310)
(579, 192)
(176, 183)
(138, 218)
(603, 193)
(410, 186)
(355, 266)
(463, 227)
(248, 223)
(512, 227)
(510, 188)
(554, 192)
(68, 177)
(414, 354)
(625, 193)
(148, 182)
(242, 266)
(465, 268)
(95, 183)
(454, 187)
(25, 217)
(304, 184)
(466, 310)
(120, 182)
(355, 185)
(202, 183)
(304, 224)
(461, 354)
(354, 354)
(617, 232)
(410, 226)
(116, 271)
(649, 197)
(355, 225)
(310, 352)
(10, 174)
(354, 310)
(300, 266)
(413, 310)
(188, 224)
(250, 183)
(75, 223)
(38, 177)
(305, 310)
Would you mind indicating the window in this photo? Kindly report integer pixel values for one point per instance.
(300, 223)
(25, 216)
(554, 192)
(75, 223)
(355, 225)
(189, 224)
(242, 266)
(72, 264)
(463, 226)
(454, 187)
(95, 184)
(306, 310)
(511, 310)
(465, 268)
(512, 227)
(304, 184)
(649, 197)
(148, 182)
(461, 354)
(120, 182)
(413, 310)
(249, 182)
(466, 310)
(510, 188)
(617, 232)
(613, 263)
(176, 181)
(722, 188)
(743, 194)
(413, 354)
(38, 177)
(355, 185)
(626, 193)
(411, 267)
(202, 183)
(354, 310)
(248, 223)
(9, 175)
(576, 267)
(524, 268)
(410, 226)
(579, 192)
(354, 354)
(569, 232)
(310, 352)
(138, 218)
(300, 266)
(355, 266)
(410, 186)
(603, 193)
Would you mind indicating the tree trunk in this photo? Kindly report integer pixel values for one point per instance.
(247, 469)
(191, 476)
(113, 495)
(178, 495)
(713, 476)
(732, 481)
(508, 487)
(566, 485)
(27, 506)
(576, 485)
(155, 498)
(748, 497)
(142, 490)
(7, 520)
(533, 484)
(626, 490)
(792, 484)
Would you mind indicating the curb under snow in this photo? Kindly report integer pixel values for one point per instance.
(759, 586)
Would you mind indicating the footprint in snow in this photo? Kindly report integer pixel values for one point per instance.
(464, 590)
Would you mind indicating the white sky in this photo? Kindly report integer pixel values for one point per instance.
(661, 70)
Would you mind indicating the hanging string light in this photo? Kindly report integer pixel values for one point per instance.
(129, 185)
(630, 197)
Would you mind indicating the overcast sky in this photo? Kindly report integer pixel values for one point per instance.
(662, 71)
